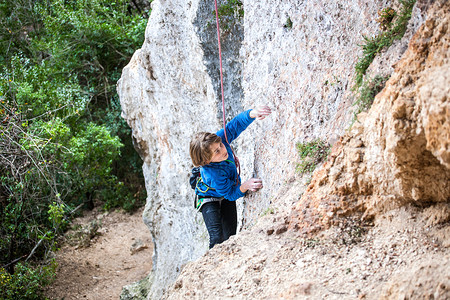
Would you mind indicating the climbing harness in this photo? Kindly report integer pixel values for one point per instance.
(196, 181)
(202, 200)
(238, 165)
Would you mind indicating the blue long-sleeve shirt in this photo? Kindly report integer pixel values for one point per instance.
(222, 176)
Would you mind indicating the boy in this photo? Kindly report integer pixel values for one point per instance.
(220, 185)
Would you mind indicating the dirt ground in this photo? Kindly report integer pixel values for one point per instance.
(103, 253)
(404, 255)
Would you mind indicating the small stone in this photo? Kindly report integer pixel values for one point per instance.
(137, 246)
(281, 229)
(178, 284)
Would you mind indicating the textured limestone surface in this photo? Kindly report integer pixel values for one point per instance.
(385, 188)
(167, 94)
(170, 90)
(398, 152)
(305, 73)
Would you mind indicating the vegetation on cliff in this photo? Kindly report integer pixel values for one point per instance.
(393, 26)
(311, 155)
(63, 143)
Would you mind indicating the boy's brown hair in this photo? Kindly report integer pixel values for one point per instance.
(199, 149)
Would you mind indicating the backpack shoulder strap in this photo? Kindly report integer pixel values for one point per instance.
(196, 178)
(200, 179)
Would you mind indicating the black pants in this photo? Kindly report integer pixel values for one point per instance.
(220, 219)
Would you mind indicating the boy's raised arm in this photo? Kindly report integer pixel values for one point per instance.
(239, 123)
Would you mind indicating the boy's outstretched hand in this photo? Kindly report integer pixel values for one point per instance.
(260, 112)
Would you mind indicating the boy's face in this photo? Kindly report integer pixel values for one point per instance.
(219, 152)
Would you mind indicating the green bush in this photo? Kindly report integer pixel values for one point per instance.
(311, 154)
(385, 17)
(62, 141)
(92, 152)
(230, 12)
(27, 281)
(367, 92)
(373, 45)
(38, 92)
(91, 38)
(288, 23)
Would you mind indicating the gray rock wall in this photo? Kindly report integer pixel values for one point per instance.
(305, 72)
(170, 90)
(166, 95)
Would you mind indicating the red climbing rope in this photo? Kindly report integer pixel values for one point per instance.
(238, 165)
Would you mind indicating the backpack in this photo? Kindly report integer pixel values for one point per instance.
(194, 179)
